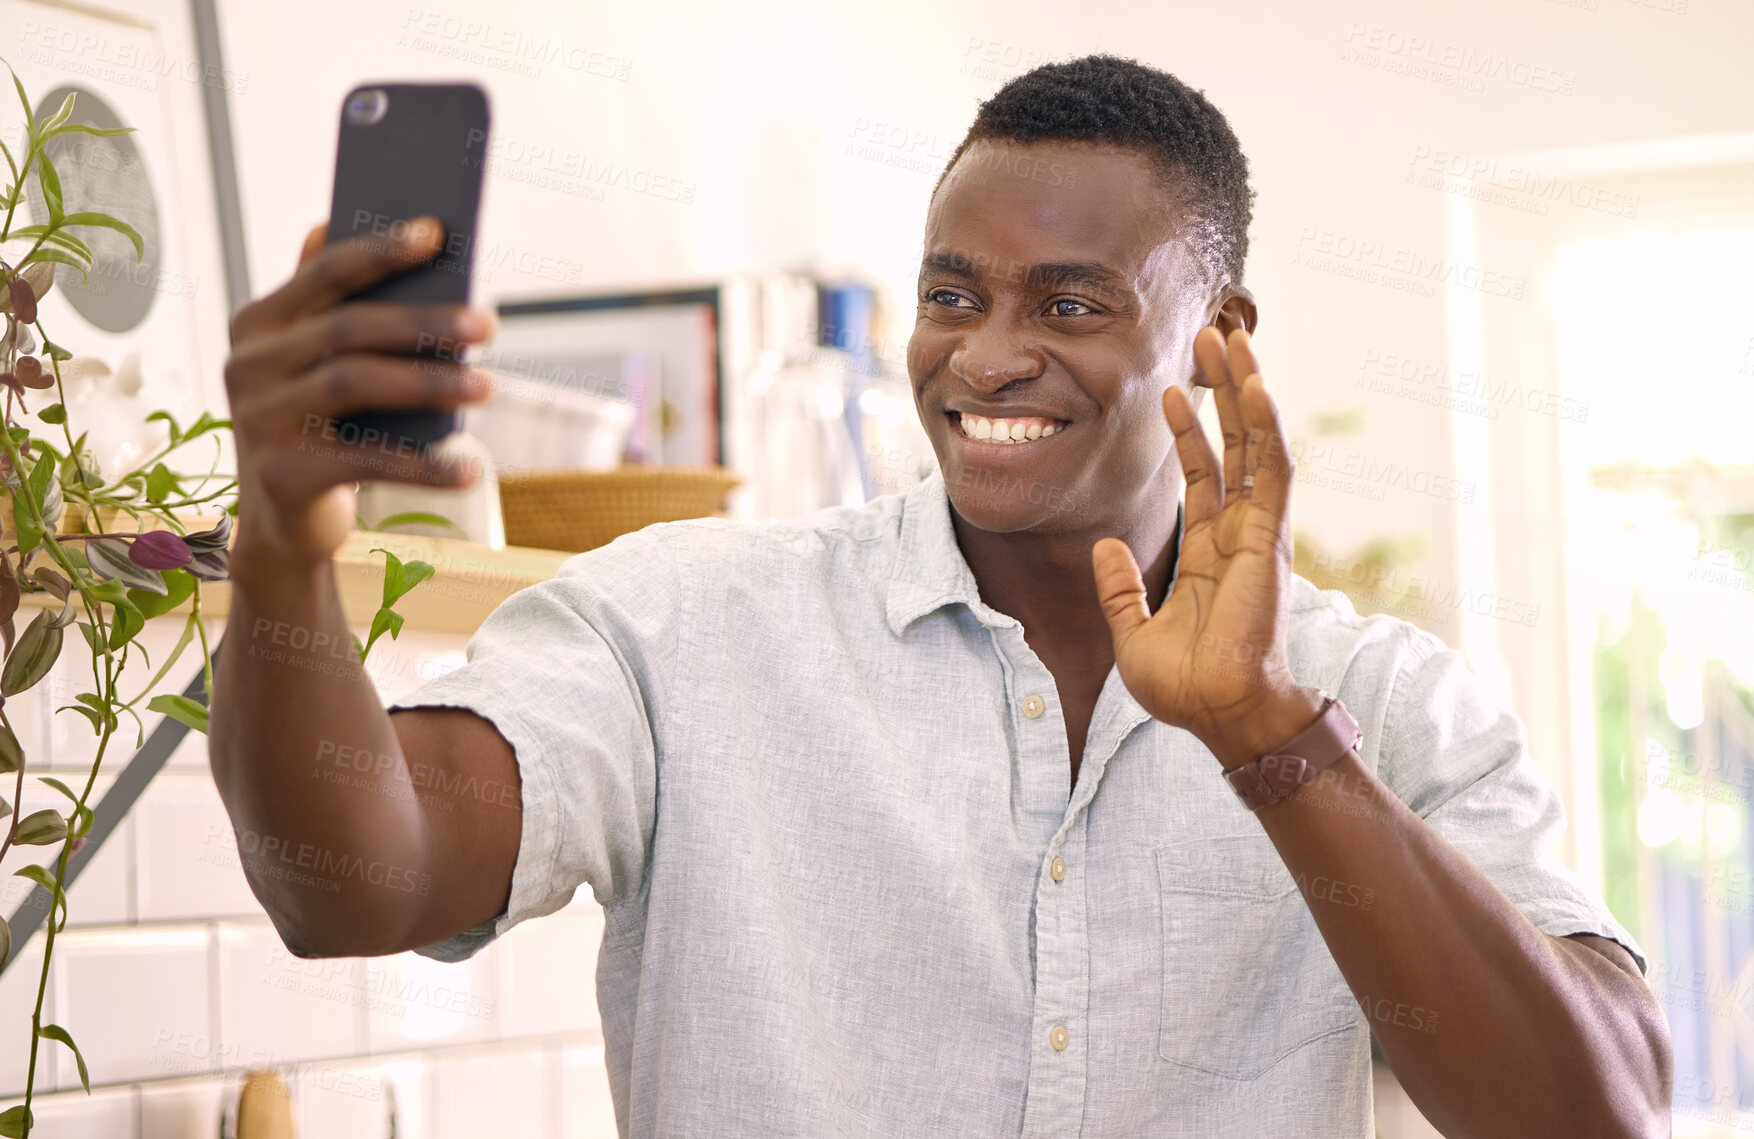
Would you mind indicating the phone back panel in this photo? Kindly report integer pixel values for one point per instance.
(425, 155)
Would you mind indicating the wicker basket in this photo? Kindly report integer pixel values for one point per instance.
(577, 511)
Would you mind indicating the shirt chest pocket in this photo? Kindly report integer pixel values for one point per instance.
(1247, 978)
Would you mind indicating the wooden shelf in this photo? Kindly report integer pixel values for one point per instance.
(468, 580)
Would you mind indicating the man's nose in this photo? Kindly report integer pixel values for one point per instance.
(991, 356)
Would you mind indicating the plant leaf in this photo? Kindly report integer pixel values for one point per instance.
(171, 421)
(56, 1032)
(11, 754)
(42, 877)
(211, 567)
(56, 119)
(9, 598)
(29, 115)
(40, 828)
(126, 626)
(55, 413)
(161, 483)
(181, 709)
(30, 530)
(86, 128)
(14, 1121)
(208, 541)
(179, 584)
(53, 581)
(97, 722)
(182, 643)
(33, 656)
(60, 257)
(105, 221)
(418, 517)
(109, 559)
(59, 786)
(51, 185)
(5, 931)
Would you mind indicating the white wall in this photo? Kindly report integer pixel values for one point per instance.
(752, 107)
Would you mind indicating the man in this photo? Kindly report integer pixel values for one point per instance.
(937, 816)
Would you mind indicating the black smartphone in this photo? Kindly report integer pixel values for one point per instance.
(408, 149)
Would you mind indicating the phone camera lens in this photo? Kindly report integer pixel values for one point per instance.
(367, 107)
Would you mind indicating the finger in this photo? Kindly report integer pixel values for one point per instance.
(440, 330)
(1199, 465)
(313, 244)
(1219, 373)
(1230, 422)
(342, 269)
(1243, 364)
(318, 464)
(363, 382)
(1274, 468)
(1120, 588)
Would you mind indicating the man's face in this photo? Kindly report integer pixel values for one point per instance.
(1054, 289)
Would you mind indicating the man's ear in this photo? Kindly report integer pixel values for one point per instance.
(1236, 309)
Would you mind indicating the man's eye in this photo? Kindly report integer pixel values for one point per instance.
(1060, 308)
(949, 299)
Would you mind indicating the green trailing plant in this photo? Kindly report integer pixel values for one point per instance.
(399, 578)
(105, 583)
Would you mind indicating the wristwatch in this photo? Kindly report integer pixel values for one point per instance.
(1298, 761)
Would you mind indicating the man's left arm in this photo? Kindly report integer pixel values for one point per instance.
(1534, 1034)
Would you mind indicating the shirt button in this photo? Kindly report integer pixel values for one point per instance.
(1058, 1038)
(1058, 869)
(1034, 706)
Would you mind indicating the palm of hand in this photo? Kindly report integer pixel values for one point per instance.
(1215, 648)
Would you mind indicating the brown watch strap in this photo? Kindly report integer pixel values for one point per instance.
(1299, 760)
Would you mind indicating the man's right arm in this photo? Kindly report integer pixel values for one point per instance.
(346, 848)
(345, 830)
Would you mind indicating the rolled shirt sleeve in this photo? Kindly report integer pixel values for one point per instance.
(1460, 760)
(572, 671)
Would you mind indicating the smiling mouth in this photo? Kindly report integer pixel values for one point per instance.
(1011, 431)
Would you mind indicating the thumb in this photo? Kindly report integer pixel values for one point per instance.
(1120, 588)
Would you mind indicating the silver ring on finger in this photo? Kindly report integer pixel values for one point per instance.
(1248, 481)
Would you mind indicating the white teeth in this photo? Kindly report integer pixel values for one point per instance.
(1005, 430)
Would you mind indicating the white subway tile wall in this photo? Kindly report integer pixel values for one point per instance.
(174, 982)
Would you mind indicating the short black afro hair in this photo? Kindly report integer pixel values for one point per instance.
(1106, 99)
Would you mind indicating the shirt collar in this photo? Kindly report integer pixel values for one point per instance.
(930, 571)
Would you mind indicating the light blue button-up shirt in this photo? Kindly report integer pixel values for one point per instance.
(847, 892)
